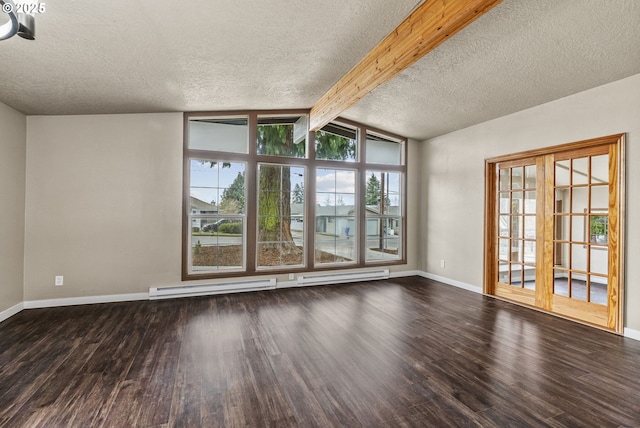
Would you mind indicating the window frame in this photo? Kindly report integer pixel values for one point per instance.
(346, 166)
(310, 163)
(257, 243)
(383, 217)
(217, 215)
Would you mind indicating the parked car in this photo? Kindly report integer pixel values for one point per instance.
(213, 227)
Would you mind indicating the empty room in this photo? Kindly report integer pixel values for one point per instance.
(319, 213)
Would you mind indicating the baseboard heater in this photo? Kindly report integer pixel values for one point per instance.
(336, 278)
(210, 289)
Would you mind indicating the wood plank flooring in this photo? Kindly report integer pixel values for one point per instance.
(404, 352)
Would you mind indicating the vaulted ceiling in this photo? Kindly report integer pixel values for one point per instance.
(105, 56)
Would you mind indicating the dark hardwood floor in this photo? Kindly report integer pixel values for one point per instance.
(405, 352)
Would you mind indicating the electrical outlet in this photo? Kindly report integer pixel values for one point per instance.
(59, 280)
(442, 263)
(292, 276)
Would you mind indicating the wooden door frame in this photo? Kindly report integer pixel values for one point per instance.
(617, 255)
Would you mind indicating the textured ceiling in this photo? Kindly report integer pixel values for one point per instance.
(105, 56)
(520, 54)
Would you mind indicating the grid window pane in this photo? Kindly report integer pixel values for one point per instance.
(383, 150)
(280, 226)
(336, 142)
(517, 178)
(530, 177)
(580, 171)
(282, 136)
(335, 221)
(383, 207)
(505, 179)
(219, 134)
(217, 222)
(219, 246)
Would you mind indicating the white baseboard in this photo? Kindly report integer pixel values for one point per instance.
(628, 332)
(404, 273)
(449, 281)
(88, 300)
(50, 303)
(286, 284)
(632, 334)
(401, 274)
(7, 313)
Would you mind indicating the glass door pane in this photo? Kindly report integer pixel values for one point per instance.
(581, 228)
(516, 217)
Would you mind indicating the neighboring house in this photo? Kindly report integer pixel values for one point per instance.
(198, 207)
(330, 220)
(373, 227)
(297, 217)
(337, 221)
(340, 220)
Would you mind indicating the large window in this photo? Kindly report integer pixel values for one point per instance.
(216, 215)
(263, 194)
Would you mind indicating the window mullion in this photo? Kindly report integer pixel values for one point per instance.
(250, 198)
(310, 219)
(361, 211)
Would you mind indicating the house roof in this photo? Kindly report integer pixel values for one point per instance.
(340, 210)
(202, 205)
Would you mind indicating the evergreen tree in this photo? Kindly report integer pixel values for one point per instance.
(334, 147)
(274, 201)
(274, 210)
(372, 194)
(275, 198)
(235, 193)
(298, 194)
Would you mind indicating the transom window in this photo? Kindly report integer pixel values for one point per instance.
(263, 194)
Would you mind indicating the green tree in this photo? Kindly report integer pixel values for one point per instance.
(334, 147)
(212, 164)
(233, 197)
(274, 202)
(298, 194)
(372, 194)
(277, 140)
(230, 206)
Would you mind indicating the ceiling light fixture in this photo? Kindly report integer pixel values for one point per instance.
(22, 24)
(9, 28)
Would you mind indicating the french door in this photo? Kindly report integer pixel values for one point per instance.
(554, 230)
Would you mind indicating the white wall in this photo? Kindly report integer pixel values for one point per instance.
(103, 205)
(453, 192)
(104, 200)
(13, 126)
(414, 214)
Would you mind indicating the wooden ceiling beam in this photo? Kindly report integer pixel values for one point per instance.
(426, 28)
